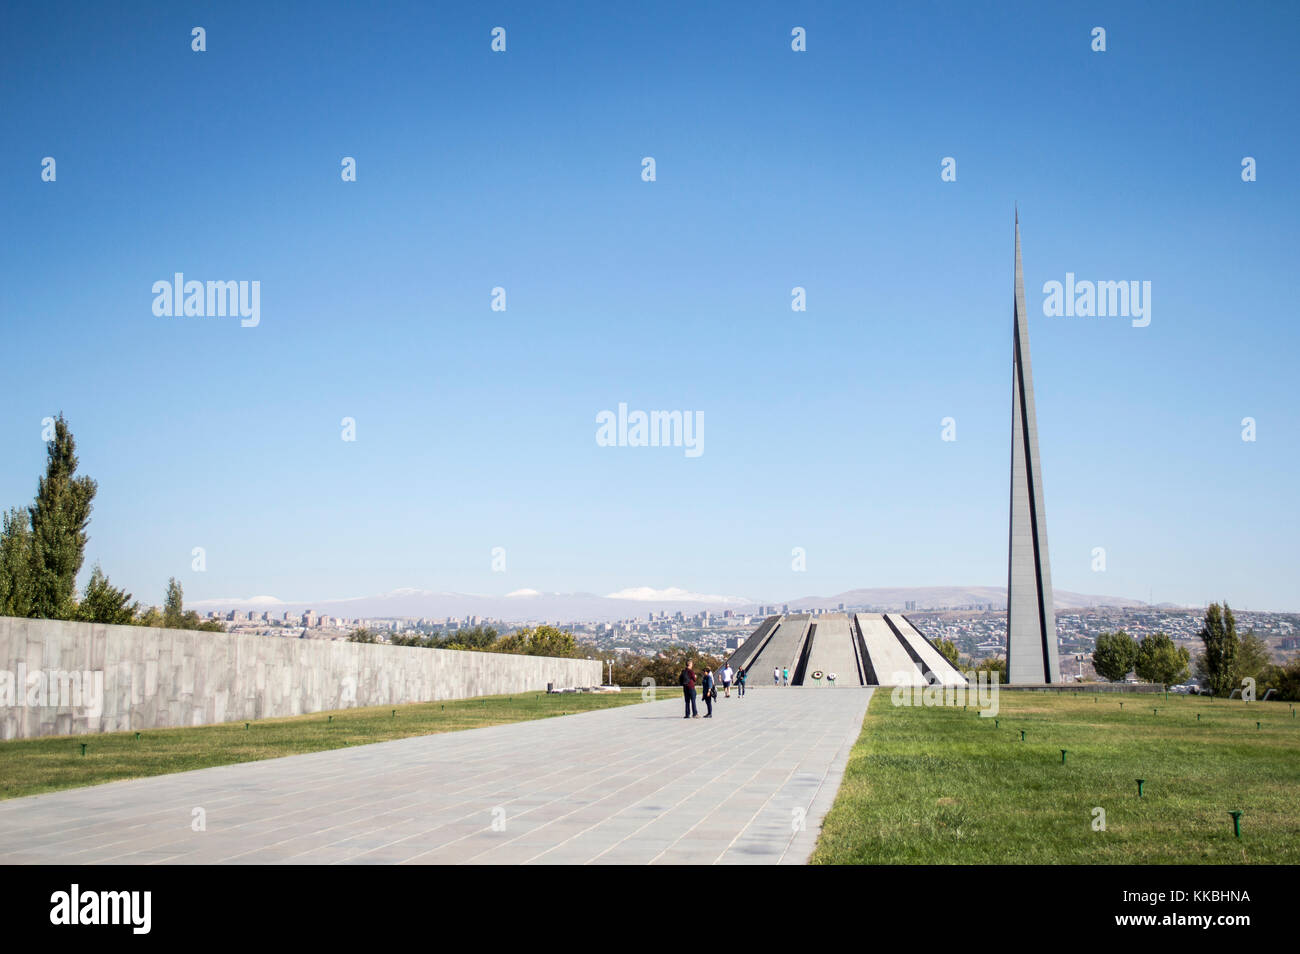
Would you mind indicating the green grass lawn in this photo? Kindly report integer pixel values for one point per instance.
(29, 766)
(942, 785)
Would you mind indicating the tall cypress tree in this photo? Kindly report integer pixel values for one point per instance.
(174, 606)
(59, 517)
(1219, 634)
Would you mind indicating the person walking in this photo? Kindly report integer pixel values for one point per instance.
(785, 675)
(727, 676)
(776, 675)
(741, 676)
(687, 680)
(710, 691)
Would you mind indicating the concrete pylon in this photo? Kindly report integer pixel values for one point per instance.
(1031, 613)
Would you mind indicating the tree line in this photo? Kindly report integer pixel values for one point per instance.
(1224, 662)
(42, 549)
(530, 641)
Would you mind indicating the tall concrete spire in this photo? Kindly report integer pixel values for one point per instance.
(1031, 613)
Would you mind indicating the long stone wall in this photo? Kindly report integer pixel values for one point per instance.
(66, 678)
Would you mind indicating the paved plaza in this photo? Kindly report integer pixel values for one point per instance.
(633, 785)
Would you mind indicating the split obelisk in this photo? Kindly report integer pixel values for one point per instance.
(1031, 615)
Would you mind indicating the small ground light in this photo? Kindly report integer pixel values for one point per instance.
(1198, 717)
(394, 713)
(331, 718)
(995, 723)
(83, 748)
(245, 725)
(1141, 782)
(1258, 725)
(1022, 735)
(137, 736)
(1155, 711)
(1121, 705)
(1063, 751)
(1236, 823)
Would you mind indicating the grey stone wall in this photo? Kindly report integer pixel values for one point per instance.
(153, 678)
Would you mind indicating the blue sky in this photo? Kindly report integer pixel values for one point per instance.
(476, 429)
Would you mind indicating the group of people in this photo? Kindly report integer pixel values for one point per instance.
(728, 677)
(709, 686)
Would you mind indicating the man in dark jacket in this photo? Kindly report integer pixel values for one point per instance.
(710, 691)
(687, 679)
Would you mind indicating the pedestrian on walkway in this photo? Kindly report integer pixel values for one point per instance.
(831, 676)
(687, 680)
(741, 676)
(727, 675)
(785, 675)
(776, 675)
(710, 691)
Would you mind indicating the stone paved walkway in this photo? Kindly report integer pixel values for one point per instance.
(633, 785)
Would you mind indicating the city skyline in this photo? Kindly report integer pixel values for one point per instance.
(824, 464)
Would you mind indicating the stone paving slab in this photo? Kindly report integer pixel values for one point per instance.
(633, 785)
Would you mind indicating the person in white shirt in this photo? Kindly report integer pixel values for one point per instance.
(776, 675)
(727, 675)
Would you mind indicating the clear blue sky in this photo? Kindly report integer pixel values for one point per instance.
(476, 428)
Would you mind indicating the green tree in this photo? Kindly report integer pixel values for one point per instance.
(1253, 657)
(105, 603)
(540, 641)
(58, 525)
(475, 637)
(174, 615)
(549, 641)
(1114, 655)
(1219, 636)
(362, 635)
(174, 605)
(1285, 679)
(16, 564)
(948, 649)
(991, 665)
(150, 617)
(1160, 661)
